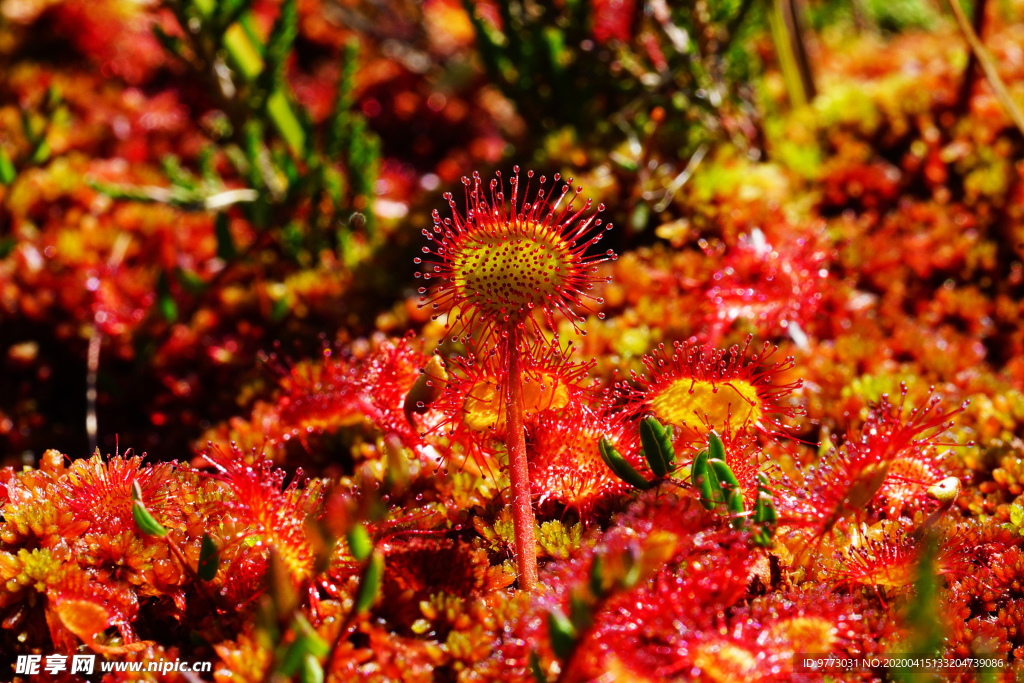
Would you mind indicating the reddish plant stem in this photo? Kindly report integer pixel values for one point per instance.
(970, 73)
(519, 473)
(988, 66)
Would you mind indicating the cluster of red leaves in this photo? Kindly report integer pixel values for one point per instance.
(361, 386)
(896, 259)
(74, 261)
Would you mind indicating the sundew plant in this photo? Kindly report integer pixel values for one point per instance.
(500, 266)
(322, 361)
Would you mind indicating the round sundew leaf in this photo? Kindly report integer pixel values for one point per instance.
(685, 399)
(510, 255)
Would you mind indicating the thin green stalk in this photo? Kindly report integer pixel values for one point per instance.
(795, 24)
(787, 36)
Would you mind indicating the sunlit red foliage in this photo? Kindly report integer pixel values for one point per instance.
(777, 285)
(337, 441)
(892, 459)
(698, 389)
(613, 19)
(567, 467)
(469, 416)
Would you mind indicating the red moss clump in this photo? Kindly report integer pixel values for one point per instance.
(157, 241)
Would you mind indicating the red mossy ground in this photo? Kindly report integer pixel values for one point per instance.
(872, 253)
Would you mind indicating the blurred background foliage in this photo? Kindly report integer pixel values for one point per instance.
(187, 185)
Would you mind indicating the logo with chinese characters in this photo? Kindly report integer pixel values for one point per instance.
(54, 664)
